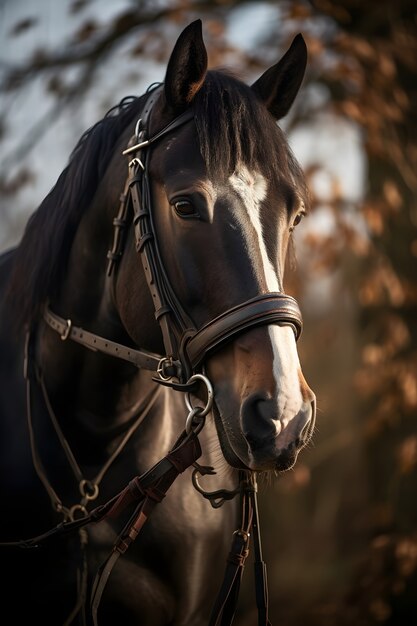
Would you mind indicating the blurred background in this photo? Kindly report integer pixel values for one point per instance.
(339, 529)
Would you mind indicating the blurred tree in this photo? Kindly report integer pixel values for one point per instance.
(379, 46)
(349, 505)
(373, 81)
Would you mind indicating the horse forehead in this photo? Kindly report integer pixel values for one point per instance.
(251, 186)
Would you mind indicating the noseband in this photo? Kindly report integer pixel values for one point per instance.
(186, 346)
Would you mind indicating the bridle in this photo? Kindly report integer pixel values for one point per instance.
(186, 346)
(186, 350)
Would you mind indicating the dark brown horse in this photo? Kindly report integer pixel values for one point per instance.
(181, 271)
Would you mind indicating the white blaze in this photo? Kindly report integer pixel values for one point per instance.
(252, 189)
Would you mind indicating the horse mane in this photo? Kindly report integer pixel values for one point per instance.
(233, 127)
(41, 256)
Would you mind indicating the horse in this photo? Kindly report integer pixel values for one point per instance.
(143, 313)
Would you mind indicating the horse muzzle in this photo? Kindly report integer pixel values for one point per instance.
(269, 446)
(264, 415)
(274, 443)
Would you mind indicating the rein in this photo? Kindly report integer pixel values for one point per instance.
(186, 349)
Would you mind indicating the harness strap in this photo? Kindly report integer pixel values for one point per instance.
(184, 453)
(65, 328)
(146, 246)
(178, 121)
(120, 224)
(260, 573)
(224, 607)
(267, 308)
(169, 313)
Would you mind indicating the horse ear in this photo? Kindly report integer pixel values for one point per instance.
(279, 85)
(186, 68)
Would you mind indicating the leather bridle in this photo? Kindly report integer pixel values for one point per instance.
(186, 346)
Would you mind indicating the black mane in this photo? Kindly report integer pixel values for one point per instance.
(40, 258)
(233, 127)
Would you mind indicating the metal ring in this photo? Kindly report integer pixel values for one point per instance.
(190, 425)
(210, 394)
(77, 508)
(88, 489)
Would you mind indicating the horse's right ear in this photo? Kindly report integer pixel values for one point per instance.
(279, 85)
(187, 68)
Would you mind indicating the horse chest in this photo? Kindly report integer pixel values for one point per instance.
(173, 570)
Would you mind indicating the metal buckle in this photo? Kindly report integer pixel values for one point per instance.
(165, 362)
(136, 161)
(67, 331)
(160, 370)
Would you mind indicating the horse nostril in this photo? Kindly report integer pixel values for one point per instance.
(258, 413)
(308, 428)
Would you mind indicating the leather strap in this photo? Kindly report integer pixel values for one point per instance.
(268, 308)
(169, 313)
(149, 489)
(260, 573)
(178, 121)
(224, 607)
(65, 328)
(183, 454)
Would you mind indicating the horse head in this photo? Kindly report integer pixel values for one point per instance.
(226, 194)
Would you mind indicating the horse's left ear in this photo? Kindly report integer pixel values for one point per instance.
(187, 67)
(279, 85)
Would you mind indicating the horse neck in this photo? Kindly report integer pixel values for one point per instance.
(83, 382)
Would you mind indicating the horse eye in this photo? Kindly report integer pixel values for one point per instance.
(297, 219)
(184, 208)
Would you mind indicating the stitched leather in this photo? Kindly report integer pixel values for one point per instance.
(268, 308)
(140, 358)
